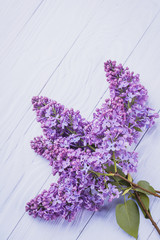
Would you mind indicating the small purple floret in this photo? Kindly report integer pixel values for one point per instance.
(80, 151)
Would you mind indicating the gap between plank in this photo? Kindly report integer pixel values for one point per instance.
(25, 212)
(89, 114)
(85, 225)
(152, 231)
(65, 55)
(25, 24)
(128, 56)
(142, 36)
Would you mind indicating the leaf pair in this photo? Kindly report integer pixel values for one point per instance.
(127, 214)
(146, 186)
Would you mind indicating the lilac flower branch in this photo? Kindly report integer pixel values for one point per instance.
(91, 158)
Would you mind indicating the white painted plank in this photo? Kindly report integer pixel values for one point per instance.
(144, 59)
(36, 54)
(29, 228)
(14, 15)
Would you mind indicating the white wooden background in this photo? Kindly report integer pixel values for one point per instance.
(56, 48)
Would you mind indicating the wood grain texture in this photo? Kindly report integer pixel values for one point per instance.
(37, 53)
(13, 20)
(60, 54)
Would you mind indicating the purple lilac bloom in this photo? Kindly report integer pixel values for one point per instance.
(80, 151)
(76, 188)
(126, 85)
(118, 123)
(56, 120)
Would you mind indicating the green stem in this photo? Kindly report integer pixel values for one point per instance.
(118, 183)
(102, 174)
(134, 185)
(90, 146)
(73, 132)
(114, 159)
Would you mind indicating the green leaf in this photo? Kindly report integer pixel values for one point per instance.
(124, 183)
(145, 200)
(127, 216)
(126, 191)
(145, 185)
(120, 183)
(137, 129)
(129, 178)
(111, 169)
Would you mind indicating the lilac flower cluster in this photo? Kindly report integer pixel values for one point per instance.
(58, 121)
(126, 85)
(118, 123)
(80, 152)
(76, 188)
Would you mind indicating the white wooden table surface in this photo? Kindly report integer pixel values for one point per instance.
(56, 48)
